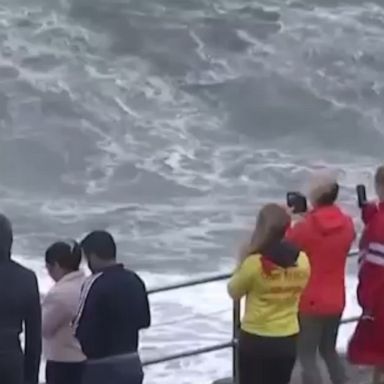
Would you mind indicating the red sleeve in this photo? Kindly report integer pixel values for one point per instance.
(297, 234)
(370, 284)
(368, 211)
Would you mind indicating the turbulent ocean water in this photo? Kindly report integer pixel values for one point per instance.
(170, 122)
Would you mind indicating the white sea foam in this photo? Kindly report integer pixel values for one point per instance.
(189, 130)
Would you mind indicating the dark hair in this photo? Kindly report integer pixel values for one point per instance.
(66, 255)
(330, 196)
(6, 237)
(100, 243)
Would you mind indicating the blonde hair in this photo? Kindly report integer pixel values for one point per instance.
(324, 188)
(271, 224)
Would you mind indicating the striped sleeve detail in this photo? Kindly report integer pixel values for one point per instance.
(83, 298)
(375, 254)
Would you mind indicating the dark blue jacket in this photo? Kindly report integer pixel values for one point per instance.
(20, 308)
(113, 308)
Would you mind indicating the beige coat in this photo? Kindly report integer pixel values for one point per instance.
(59, 308)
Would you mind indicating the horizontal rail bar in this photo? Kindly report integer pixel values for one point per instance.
(350, 320)
(191, 352)
(205, 280)
(191, 283)
(213, 348)
(236, 319)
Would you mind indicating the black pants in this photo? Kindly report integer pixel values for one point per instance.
(318, 334)
(125, 369)
(12, 368)
(266, 360)
(63, 373)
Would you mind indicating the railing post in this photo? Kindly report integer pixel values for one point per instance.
(235, 337)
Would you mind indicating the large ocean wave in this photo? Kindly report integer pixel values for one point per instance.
(170, 122)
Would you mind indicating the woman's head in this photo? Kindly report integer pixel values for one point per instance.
(62, 258)
(323, 189)
(379, 182)
(272, 223)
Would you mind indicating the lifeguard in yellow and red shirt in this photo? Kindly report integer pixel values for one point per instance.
(271, 275)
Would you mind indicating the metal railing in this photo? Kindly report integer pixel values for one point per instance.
(236, 312)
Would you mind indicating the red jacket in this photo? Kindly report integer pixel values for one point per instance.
(326, 235)
(367, 344)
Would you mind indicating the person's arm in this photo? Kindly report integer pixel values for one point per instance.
(32, 324)
(241, 281)
(87, 326)
(144, 312)
(370, 287)
(368, 211)
(297, 234)
(55, 314)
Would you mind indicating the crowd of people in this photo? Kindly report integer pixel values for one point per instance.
(291, 273)
(87, 327)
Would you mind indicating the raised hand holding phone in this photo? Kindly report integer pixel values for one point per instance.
(361, 195)
(297, 202)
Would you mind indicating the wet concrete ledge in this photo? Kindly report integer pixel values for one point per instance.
(356, 375)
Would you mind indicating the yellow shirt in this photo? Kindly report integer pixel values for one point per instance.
(272, 299)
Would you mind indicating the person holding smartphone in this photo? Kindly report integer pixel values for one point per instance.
(367, 344)
(271, 275)
(325, 233)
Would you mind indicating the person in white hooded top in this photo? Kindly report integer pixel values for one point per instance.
(65, 359)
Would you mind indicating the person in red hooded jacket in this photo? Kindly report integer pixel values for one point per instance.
(326, 235)
(367, 343)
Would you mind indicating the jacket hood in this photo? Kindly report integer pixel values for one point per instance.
(282, 254)
(329, 219)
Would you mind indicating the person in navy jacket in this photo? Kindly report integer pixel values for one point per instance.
(367, 344)
(113, 309)
(20, 308)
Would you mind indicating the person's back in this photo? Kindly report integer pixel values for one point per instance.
(113, 309)
(116, 304)
(271, 275)
(326, 235)
(20, 308)
(273, 294)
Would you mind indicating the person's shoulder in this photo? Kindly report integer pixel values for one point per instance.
(22, 271)
(94, 282)
(252, 262)
(349, 223)
(133, 276)
(24, 278)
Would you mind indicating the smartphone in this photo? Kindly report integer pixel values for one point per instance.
(361, 195)
(297, 201)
